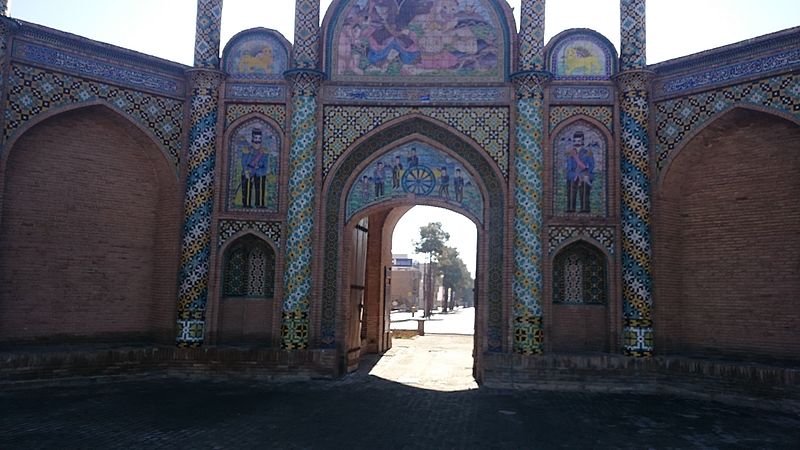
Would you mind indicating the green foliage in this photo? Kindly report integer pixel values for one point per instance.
(432, 240)
(453, 270)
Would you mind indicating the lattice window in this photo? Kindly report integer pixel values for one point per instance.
(579, 275)
(249, 269)
(235, 274)
(255, 272)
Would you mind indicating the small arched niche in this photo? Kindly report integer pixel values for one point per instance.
(580, 299)
(580, 275)
(248, 286)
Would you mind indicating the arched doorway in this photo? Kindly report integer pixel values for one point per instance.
(89, 233)
(245, 311)
(404, 138)
(374, 283)
(727, 242)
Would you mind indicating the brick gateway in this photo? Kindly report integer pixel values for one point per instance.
(623, 209)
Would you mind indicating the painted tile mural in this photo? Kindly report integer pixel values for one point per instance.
(580, 170)
(391, 38)
(254, 167)
(256, 56)
(415, 169)
(581, 57)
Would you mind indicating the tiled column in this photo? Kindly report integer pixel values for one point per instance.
(528, 185)
(305, 80)
(6, 27)
(632, 35)
(637, 280)
(204, 80)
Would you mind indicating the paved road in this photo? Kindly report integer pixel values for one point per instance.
(459, 321)
(394, 403)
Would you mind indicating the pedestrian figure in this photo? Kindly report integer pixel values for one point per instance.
(397, 173)
(378, 177)
(444, 183)
(458, 184)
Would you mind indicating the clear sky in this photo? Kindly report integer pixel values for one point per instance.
(463, 234)
(165, 28)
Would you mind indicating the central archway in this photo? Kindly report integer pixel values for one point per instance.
(490, 284)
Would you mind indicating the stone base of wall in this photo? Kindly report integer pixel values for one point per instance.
(118, 362)
(773, 386)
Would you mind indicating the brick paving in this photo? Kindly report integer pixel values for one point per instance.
(419, 395)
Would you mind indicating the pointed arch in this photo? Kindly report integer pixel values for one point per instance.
(589, 240)
(110, 107)
(580, 273)
(333, 219)
(713, 122)
(248, 267)
(92, 191)
(604, 128)
(726, 240)
(393, 124)
(419, 170)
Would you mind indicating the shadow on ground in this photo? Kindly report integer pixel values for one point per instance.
(367, 411)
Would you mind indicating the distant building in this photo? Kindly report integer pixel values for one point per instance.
(406, 283)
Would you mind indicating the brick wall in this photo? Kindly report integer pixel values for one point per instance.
(246, 321)
(579, 328)
(734, 382)
(727, 243)
(89, 233)
(374, 292)
(204, 362)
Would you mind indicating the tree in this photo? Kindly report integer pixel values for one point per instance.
(432, 241)
(456, 279)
